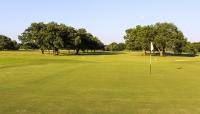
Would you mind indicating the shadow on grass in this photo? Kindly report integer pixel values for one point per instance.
(36, 62)
(177, 55)
(91, 53)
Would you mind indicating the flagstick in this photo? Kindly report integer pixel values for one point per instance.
(150, 62)
(150, 56)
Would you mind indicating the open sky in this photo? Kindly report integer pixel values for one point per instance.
(107, 19)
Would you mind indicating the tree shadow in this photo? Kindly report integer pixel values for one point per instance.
(91, 53)
(173, 54)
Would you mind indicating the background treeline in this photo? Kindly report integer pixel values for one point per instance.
(115, 47)
(54, 36)
(165, 37)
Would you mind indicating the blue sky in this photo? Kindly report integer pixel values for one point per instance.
(107, 19)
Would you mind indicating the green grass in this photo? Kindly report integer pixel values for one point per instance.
(31, 83)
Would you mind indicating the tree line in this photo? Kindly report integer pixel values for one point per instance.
(54, 36)
(165, 36)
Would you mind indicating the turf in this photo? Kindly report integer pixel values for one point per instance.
(31, 83)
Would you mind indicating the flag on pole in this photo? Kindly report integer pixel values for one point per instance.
(150, 56)
(151, 46)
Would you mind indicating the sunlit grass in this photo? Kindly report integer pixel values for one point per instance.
(32, 83)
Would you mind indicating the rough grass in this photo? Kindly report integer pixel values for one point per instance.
(31, 83)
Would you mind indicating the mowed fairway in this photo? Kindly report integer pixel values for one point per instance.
(31, 83)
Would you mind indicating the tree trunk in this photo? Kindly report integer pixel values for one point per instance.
(53, 51)
(42, 51)
(56, 51)
(77, 51)
(145, 53)
(162, 51)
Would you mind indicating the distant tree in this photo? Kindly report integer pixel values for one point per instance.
(7, 44)
(197, 46)
(178, 45)
(13, 45)
(29, 46)
(86, 41)
(95, 43)
(121, 46)
(191, 48)
(115, 47)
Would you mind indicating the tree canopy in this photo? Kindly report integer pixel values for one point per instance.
(163, 35)
(54, 36)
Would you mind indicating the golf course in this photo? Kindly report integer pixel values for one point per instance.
(105, 83)
(99, 57)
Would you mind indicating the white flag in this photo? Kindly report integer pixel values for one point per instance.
(151, 46)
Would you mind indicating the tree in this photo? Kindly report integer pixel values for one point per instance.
(115, 47)
(132, 40)
(35, 35)
(86, 41)
(121, 46)
(29, 46)
(178, 45)
(146, 36)
(139, 38)
(54, 37)
(77, 44)
(191, 48)
(168, 35)
(197, 46)
(81, 40)
(163, 36)
(7, 44)
(68, 35)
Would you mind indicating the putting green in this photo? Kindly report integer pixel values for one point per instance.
(31, 83)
